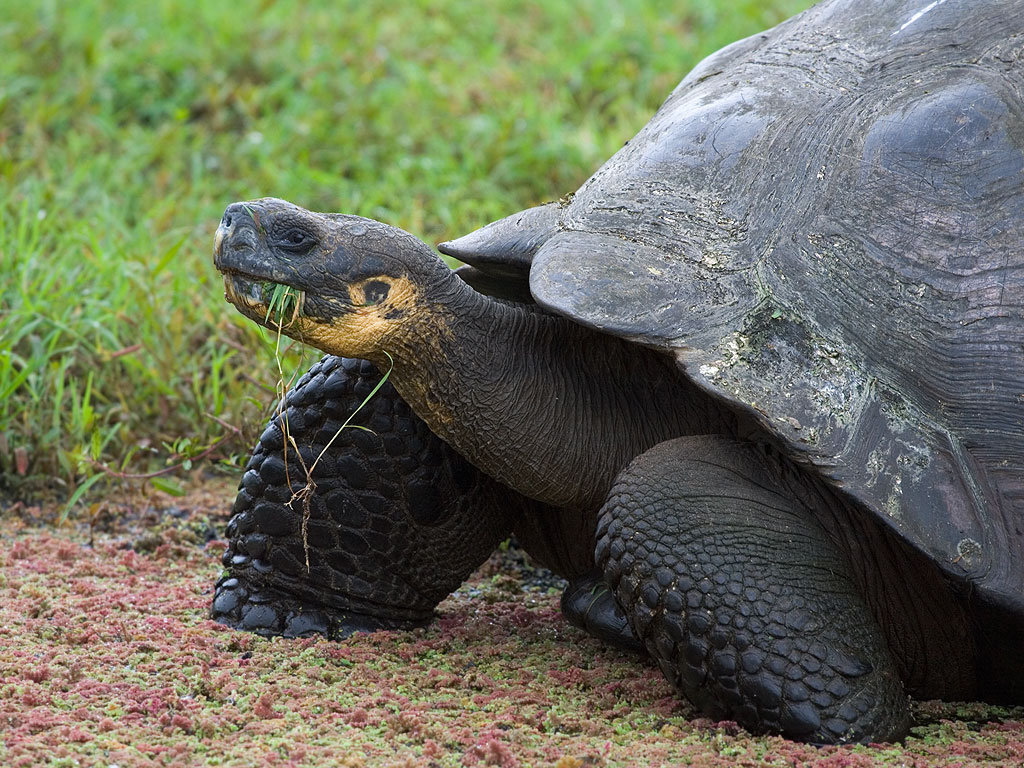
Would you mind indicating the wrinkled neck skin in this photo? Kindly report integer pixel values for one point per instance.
(547, 407)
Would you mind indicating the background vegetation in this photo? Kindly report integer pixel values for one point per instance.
(126, 127)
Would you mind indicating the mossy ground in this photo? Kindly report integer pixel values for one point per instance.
(109, 659)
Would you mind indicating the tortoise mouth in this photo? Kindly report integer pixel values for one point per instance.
(264, 301)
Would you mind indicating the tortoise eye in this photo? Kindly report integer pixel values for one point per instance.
(296, 240)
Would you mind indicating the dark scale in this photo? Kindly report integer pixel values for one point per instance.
(396, 522)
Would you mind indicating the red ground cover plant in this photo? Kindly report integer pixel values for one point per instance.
(107, 659)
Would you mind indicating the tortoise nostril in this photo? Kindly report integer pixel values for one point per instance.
(233, 215)
(225, 231)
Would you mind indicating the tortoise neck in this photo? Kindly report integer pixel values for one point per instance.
(549, 408)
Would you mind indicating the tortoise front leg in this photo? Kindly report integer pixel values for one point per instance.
(397, 519)
(741, 597)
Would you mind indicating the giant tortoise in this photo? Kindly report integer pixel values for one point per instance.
(756, 389)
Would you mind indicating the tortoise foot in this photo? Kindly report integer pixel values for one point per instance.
(265, 610)
(589, 603)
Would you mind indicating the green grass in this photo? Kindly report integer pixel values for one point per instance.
(126, 127)
(284, 304)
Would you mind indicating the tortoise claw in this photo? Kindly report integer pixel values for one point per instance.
(588, 603)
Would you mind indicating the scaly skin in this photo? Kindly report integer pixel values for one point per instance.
(751, 611)
(397, 521)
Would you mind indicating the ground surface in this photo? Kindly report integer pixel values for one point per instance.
(109, 660)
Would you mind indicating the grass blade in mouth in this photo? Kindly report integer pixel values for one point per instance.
(284, 303)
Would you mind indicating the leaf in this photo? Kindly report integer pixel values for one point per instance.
(167, 486)
(168, 256)
(284, 304)
(79, 491)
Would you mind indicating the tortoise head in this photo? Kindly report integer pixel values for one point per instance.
(344, 284)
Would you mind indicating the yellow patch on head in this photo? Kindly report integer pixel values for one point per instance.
(381, 308)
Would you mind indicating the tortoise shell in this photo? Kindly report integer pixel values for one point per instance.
(824, 224)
